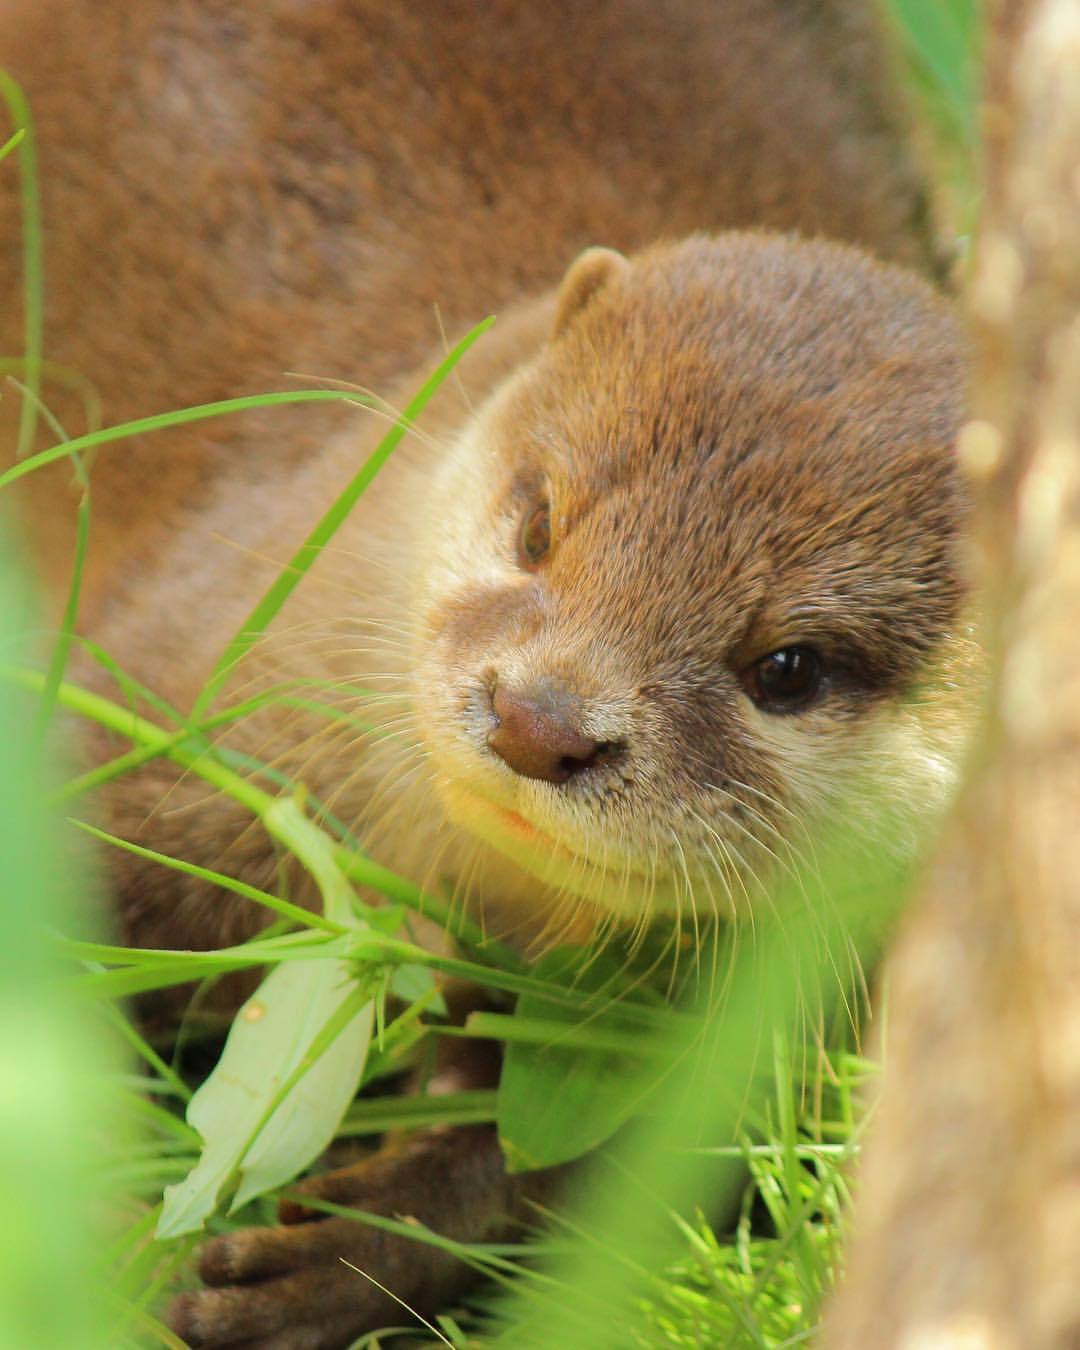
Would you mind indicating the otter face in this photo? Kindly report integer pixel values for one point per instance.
(690, 580)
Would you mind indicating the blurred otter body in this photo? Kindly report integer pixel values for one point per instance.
(231, 192)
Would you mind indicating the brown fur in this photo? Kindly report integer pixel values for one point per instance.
(232, 191)
(746, 439)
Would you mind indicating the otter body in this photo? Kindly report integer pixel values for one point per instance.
(668, 571)
(233, 192)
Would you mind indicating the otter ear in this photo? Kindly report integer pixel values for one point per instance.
(589, 273)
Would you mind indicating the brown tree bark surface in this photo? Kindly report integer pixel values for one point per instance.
(968, 1229)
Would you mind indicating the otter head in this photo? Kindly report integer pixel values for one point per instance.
(690, 578)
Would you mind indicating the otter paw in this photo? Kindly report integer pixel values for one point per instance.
(289, 1288)
(294, 1287)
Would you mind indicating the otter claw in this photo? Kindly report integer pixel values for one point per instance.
(300, 1286)
(287, 1286)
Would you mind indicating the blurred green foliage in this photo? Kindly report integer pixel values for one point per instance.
(53, 1061)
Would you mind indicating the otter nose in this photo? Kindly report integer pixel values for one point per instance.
(538, 734)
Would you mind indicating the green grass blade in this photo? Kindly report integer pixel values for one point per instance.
(144, 732)
(12, 142)
(65, 635)
(359, 869)
(33, 265)
(53, 373)
(377, 1115)
(125, 1029)
(142, 754)
(308, 918)
(165, 421)
(293, 572)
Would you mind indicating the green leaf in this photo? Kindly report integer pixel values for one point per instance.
(290, 1068)
(558, 1101)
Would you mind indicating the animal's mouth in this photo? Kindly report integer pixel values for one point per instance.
(484, 816)
(611, 881)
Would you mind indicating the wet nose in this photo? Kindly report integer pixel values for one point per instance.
(538, 733)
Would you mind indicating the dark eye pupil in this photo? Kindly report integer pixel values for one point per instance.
(536, 536)
(786, 672)
(785, 679)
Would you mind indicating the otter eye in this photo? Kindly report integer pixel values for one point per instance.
(786, 680)
(534, 541)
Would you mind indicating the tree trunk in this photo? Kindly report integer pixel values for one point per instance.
(968, 1229)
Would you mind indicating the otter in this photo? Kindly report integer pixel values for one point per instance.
(668, 573)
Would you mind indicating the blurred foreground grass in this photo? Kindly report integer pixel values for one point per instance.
(55, 1065)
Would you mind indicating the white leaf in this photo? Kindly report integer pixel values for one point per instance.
(296, 1006)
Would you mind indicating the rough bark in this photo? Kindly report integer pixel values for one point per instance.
(968, 1229)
